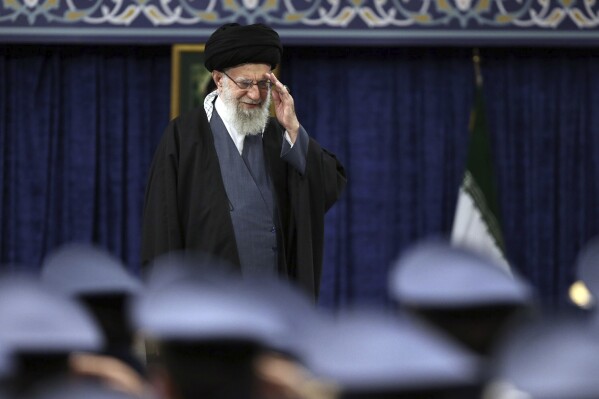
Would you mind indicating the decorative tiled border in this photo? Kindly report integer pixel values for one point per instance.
(303, 21)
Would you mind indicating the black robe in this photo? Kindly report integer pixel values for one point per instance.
(186, 205)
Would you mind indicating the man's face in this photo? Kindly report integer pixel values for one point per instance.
(253, 97)
(249, 107)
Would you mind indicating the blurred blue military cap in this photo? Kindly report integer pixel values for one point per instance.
(369, 351)
(83, 269)
(550, 359)
(193, 310)
(436, 274)
(185, 265)
(288, 300)
(292, 306)
(35, 319)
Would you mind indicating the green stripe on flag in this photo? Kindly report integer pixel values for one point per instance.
(480, 168)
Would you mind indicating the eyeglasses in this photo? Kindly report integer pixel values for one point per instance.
(247, 84)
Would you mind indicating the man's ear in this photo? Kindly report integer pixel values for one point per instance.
(217, 77)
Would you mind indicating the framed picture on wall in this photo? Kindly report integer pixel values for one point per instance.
(189, 78)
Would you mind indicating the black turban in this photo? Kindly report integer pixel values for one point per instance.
(233, 44)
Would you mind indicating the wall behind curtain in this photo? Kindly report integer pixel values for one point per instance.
(79, 125)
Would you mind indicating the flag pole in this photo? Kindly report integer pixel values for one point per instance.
(476, 61)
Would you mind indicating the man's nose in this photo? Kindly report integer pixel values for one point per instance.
(254, 92)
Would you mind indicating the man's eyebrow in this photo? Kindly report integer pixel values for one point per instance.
(251, 80)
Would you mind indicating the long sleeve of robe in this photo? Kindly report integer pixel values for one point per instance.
(186, 205)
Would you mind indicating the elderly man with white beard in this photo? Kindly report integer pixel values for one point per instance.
(229, 180)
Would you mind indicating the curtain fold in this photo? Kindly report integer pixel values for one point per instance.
(78, 130)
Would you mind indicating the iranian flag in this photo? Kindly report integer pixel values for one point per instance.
(476, 222)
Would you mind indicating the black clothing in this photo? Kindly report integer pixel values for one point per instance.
(186, 206)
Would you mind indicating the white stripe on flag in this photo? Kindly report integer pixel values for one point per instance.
(470, 230)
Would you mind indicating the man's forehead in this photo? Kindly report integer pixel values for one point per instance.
(249, 70)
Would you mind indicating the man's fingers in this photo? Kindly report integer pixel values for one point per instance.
(280, 87)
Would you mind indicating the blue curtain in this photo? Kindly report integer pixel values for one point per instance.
(78, 127)
(543, 107)
(398, 119)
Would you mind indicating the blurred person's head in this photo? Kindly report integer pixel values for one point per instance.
(41, 329)
(462, 293)
(100, 282)
(368, 354)
(554, 358)
(208, 335)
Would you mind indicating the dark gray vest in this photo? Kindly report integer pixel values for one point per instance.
(250, 203)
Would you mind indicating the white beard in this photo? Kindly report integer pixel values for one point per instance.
(246, 121)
